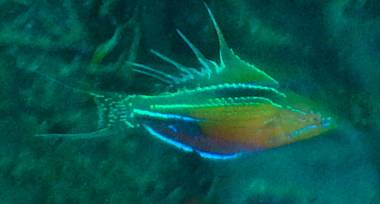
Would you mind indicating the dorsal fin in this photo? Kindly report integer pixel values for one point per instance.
(230, 69)
(229, 60)
(223, 47)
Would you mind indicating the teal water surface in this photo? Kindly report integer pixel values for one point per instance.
(328, 51)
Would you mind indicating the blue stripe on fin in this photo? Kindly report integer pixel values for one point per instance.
(218, 156)
(179, 145)
(187, 148)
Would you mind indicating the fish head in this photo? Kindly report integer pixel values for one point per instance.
(297, 126)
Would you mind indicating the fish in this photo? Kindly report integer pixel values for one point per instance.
(236, 108)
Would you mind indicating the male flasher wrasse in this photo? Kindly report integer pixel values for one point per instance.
(236, 107)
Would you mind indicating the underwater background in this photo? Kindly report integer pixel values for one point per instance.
(328, 51)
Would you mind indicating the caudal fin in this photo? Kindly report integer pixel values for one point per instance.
(99, 133)
(113, 113)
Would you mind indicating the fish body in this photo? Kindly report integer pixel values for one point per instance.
(217, 126)
(236, 108)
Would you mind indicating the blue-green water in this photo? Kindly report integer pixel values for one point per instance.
(328, 51)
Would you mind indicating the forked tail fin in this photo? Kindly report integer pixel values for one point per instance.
(111, 109)
(112, 112)
(99, 133)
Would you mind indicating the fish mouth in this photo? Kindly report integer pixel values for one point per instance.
(303, 130)
(326, 122)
